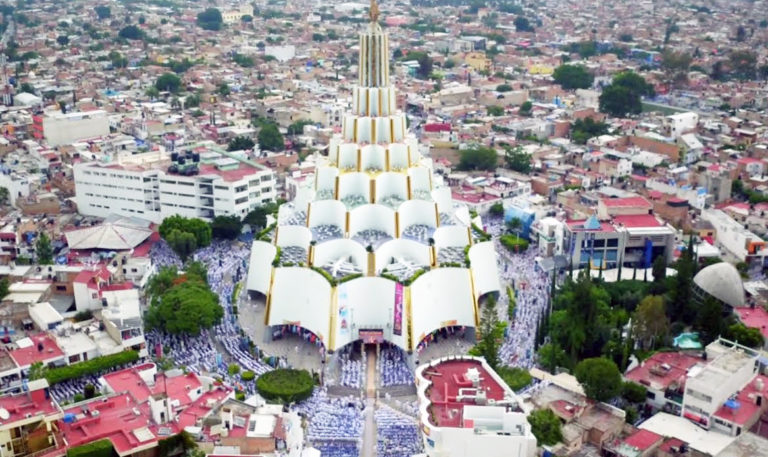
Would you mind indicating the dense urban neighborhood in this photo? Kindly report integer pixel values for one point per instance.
(443, 228)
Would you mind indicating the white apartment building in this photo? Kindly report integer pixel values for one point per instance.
(707, 387)
(217, 184)
(467, 410)
(60, 128)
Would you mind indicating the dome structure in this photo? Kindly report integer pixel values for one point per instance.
(723, 282)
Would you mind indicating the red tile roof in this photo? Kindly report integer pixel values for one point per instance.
(747, 407)
(49, 351)
(643, 439)
(638, 220)
(629, 202)
(754, 318)
(663, 369)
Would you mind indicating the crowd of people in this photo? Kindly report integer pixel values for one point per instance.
(392, 366)
(335, 424)
(352, 369)
(397, 435)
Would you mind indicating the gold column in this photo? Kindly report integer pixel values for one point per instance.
(268, 304)
(407, 319)
(372, 186)
(311, 255)
(277, 233)
(437, 216)
(374, 138)
(474, 297)
(397, 224)
(346, 222)
(336, 189)
(309, 208)
(331, 344)
(408, 187)
(359, 159)
(387, 164)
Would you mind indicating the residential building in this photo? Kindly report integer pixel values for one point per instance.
(60, 128)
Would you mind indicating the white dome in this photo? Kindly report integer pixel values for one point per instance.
(723, 282)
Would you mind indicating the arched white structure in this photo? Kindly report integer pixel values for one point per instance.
(294, 235)
(419, 212)
(372, 217)
(347, 156)
(401, 249)
(373, 158)
(482, 259)
(421, 183)
(389, 184)
(260, 271)
(327, 212)
(451, 236)
(308, 306)
(325, 179)
(357, 183)
(368, 303)
(441, 298)
(442, 196)
(333, 250)
(398, 156)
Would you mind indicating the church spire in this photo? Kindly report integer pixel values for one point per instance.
(373, 11)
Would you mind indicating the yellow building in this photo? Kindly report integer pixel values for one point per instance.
(478, 61)
(540, 69)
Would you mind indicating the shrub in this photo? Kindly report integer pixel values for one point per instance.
(514, 243)
(516, 378)
(481, 234)
(285, 385)
(233, 368)
(240, 396)
(83, 315)
(248, 375)
(89, 367)
(632, 392)
(101, 448)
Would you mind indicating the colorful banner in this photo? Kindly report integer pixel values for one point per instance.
(397, 327)
(371, 336)
(344, 323)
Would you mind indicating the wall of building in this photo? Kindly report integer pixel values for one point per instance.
(64, 129)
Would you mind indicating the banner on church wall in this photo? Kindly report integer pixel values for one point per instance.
(397, 326)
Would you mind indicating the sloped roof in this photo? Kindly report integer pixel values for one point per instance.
(113, 236)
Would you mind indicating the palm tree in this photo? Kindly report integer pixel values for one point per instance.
(514, 225)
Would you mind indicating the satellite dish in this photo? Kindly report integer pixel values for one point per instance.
(4, 415)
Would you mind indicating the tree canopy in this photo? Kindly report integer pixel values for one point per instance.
(239, 143)
(491, 334)
(517, 159)
(184, 235)
(649, 322)
(600, 378)
(168, 82)
(226, 227)
(573, 77)
(131, 32)
(522, 24)
(270, 138)
(43, 249)
(478, 158)
(546, 427)
(584, 129)
(210, 19)
(103, 12)
(624, 95)
(425, 63)
(186, 307)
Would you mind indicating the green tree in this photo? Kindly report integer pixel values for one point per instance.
(584, 129)
(182, 243)
(522, 24)
(741, 33)
(246, 18)
(649, 322)
(710, 321)
(103, 12)
(748, 336)
(546, 427)
(5, 284)
(517, 159)
(37, 371)
(168, 82)
(186, 307)
(525, 108)
(63, 40)
(318, 37)
(659, 271)
(44, 250)
(743, 64)
(258, 217)
(226, 227)
(497, 209)
(675, 66)
(504, 88)
(600, 378)
(680, 306)
(491, 334)
(210, 19)
(297, 128)
(478, 158)
(4, 196)
(161, 281)
(223, 89)
(624, 95)
(573, 77)
(240, 143)
(131, 32)
(495, 110)
(552, 356)
(425, 63)
(633, 392)
(270, 138)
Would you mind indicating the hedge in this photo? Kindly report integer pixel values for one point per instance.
(325, 275)
(236, 292)
(514, 243)
(101, 448)
(467, 262)
(349, 277)
(414, 277)
(89, 367)
(278, 255)
(482, 234)
(285, 385)
(247, 375)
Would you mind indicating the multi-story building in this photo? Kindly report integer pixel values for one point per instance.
(29, 422)
(466, 409)
(61, 128)
(731, 367)
(202, 185)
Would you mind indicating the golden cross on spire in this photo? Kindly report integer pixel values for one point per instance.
(374, 11)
